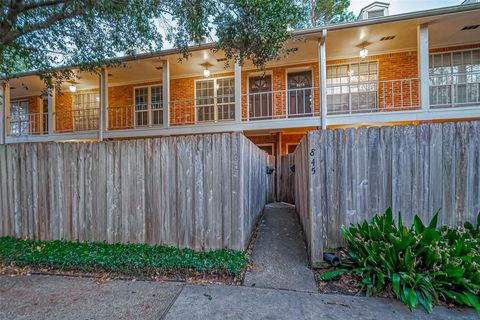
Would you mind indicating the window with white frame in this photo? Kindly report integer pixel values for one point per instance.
(86, 107)
(352, 87)
(148, 105)
(215, 99)
(19, 118)
(455, 78)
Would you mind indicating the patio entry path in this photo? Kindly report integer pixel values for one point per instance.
(280, 255)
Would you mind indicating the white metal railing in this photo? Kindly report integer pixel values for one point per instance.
(281, 104)
(373, 96)
(135, 116)
(204, 110)
(26, 124)
(449, 90)
(76, 120)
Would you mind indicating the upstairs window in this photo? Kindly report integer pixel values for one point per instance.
(352, 87)
(215, 99)
(455, 78)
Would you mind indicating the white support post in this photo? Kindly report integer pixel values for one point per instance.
(423, 68)
(103, 121)
(238, 92)
(166, 93)
(322, 70)
(51, 110)
(6, 111)
(3, 112)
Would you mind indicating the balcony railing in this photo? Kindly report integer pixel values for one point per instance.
(139, 116)
(28, 124)
(450, 90)
(373, 96)
(281, 104)
(203, 110)
(76, 120)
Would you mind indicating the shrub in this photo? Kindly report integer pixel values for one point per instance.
(420, 264)
(130, 259)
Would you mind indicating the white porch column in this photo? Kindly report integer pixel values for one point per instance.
(103, 116)
(166, 93)
(3, 111)
(322, 77)
(51, 110)
(423, 72)
(238, 92)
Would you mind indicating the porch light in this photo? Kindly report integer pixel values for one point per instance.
(363, 53)
(72, 88)
(206, 73)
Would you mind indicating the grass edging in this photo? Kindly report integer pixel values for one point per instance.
(126, 259)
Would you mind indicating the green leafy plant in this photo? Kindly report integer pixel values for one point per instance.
(420, 264)
(129, 259)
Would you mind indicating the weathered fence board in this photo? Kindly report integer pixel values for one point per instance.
(287, 179)
(202, 192)
(343, 177)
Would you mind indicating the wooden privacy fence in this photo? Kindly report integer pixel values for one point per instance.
(287, 179)
(345, 176)
(200, 192)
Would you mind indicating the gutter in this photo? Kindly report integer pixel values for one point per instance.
(297, 33)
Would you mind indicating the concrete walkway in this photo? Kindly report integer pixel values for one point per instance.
(55, 297)
(280, 255)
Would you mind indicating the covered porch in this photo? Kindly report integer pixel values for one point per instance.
(405, 68)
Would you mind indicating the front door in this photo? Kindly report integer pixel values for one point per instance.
(300, 93)
(260, 97)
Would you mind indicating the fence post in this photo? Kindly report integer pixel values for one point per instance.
(423, 57)
(322, 70)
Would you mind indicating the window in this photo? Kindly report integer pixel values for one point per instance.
(300, 93)
(19, 118)
(260, 97)
(352, 87)
(215, 99)
(455, 78)
(86, 106)
(148, 106)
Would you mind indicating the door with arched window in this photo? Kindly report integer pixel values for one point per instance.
(300, 93)
(260, 97)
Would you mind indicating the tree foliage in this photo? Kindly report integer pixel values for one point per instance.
(44, 35)
(323, 12)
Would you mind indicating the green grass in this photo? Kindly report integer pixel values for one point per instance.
(128, 259)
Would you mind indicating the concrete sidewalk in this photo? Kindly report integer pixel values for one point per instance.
(57, 297)
(280, 255)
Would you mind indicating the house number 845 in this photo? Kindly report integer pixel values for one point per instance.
(312, 162)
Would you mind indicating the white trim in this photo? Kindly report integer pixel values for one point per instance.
(267, 144)
(423, 58)
(149, 103)
(215, 104)
(290, 144)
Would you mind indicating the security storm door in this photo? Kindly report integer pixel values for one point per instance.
(19, 119)
(148, 106)
(86, 106)
(260, 97)
(300, 93)
(215, 99)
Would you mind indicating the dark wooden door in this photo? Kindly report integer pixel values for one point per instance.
(260, 97)
(300, 93)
